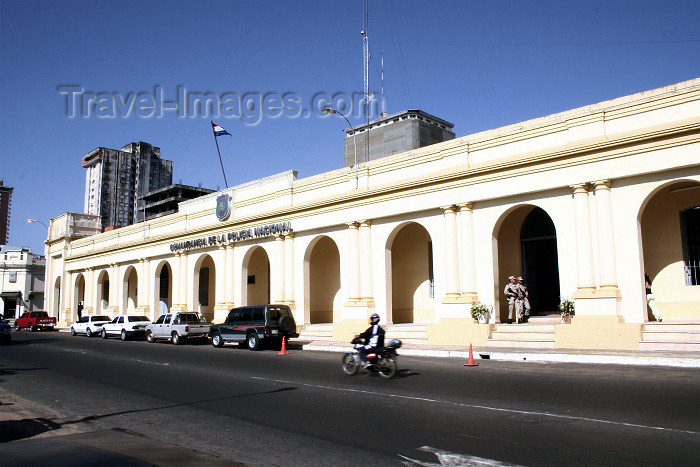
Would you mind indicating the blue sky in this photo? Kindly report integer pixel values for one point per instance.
(478, 64)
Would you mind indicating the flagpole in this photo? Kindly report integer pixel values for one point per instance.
(217, 150)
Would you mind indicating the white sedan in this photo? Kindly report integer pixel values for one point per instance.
(126, 326)
(90, 325)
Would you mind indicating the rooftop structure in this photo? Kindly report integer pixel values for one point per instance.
(394, 134)
(116, 180)
(165, 200)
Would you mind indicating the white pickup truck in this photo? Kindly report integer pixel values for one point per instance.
(177, 327)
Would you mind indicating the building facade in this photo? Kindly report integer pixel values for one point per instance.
(115, 181)
(21, 281)
(583, 204)
(5, 209)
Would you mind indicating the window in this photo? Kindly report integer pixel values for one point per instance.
(690, 233)
(259, 314)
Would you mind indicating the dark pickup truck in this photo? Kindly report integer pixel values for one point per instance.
(35, 320)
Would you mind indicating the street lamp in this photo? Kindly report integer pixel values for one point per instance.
(34, 220)
(331, 110)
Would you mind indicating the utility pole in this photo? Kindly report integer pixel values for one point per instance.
(365, 54)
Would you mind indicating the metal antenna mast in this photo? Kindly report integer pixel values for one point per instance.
(383, 110)
(365, 53)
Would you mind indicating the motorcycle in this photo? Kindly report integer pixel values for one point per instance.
(383, 360)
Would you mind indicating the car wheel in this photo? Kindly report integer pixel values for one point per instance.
(253, 341)
(88, 332)
(104, 334)
(177, 340)
(32, 328)
(217, 341)
(149, 337)
(72, 331)
(124, 336)
(17, 328)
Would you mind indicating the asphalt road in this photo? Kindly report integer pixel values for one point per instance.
(261, 408)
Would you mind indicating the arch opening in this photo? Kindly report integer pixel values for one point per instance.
(256, 277)
(324, 281)
(412, 280)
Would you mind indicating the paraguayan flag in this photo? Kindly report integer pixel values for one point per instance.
(219, 130)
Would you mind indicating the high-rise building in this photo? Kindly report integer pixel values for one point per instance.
(116, 180)
(5, 205)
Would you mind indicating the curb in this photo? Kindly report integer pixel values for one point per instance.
(682, 362)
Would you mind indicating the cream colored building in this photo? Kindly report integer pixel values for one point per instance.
(582, 203)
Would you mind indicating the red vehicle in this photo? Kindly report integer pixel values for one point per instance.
(35, 320)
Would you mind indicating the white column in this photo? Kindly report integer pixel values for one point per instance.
(289, 268)
(366, 291)
(183, 285)
(174, 281)
(221, 277)
(277, 268)
(584, 247)
(468, 252)
(451, 254)
(606, 241)
(354, 260)
(89, 303)
(114, 287)
(140, 297)
(228, 286)
(145, 304)
(67, 295)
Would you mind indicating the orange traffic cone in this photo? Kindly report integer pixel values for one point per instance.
(284, 346)
(471, 362)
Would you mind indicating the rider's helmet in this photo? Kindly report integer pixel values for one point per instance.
(374, 319)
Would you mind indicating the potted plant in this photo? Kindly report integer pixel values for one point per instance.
(481, 312)
(566, 309)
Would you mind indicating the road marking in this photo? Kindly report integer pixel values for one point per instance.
(452, 459)
(482, 407)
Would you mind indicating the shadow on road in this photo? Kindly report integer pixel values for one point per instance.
(13, 430)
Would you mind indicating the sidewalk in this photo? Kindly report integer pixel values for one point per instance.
(616, 357)
(31, 434)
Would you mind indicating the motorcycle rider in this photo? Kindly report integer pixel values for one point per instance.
(373, 337)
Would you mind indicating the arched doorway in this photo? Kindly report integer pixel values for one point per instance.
(410, 256)
(323, 281)
(78, 295)
(527, 246)
(163, 289)
(205, 286)
(256, 277)
(538, 247)
(102, 298)
(131, 284)
(670, 232)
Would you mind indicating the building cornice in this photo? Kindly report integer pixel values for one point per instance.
(584, 152)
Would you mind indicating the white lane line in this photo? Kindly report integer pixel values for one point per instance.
(482, 407)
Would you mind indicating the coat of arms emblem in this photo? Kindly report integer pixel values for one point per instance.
(223, 207)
